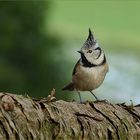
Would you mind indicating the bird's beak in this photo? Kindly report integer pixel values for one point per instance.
(80, 52)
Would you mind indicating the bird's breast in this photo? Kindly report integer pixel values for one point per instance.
(89, 78)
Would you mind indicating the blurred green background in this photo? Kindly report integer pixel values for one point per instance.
(40, 39)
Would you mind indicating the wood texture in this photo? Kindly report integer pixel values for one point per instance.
(23, 118)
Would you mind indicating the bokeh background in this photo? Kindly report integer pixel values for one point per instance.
(39, 42)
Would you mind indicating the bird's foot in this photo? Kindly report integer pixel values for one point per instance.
(106, 101)
(82, 102)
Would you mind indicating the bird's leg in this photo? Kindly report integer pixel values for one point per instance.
(94, 95)
(80, 97)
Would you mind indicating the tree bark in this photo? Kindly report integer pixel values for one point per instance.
(23, 118)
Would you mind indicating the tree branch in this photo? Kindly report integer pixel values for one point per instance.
(23, 118)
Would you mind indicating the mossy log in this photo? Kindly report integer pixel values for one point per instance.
(23, 118)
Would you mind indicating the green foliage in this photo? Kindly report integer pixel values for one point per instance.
(25, 60)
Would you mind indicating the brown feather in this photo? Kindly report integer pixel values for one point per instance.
(69, 87)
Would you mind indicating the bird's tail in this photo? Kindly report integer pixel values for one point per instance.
(69, 87)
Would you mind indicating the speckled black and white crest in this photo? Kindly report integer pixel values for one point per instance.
(90, 42)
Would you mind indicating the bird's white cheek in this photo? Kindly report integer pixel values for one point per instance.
(96, 54)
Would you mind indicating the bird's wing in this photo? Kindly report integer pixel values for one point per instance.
(76, 67)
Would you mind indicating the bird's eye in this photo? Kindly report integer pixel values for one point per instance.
(90, 51)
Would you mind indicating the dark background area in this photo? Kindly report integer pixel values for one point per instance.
(27, 64)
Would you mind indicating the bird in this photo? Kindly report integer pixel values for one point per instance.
(91, 69)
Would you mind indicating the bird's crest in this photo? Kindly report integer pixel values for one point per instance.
(90, 42)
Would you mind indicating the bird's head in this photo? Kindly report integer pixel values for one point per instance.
(91, 50)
